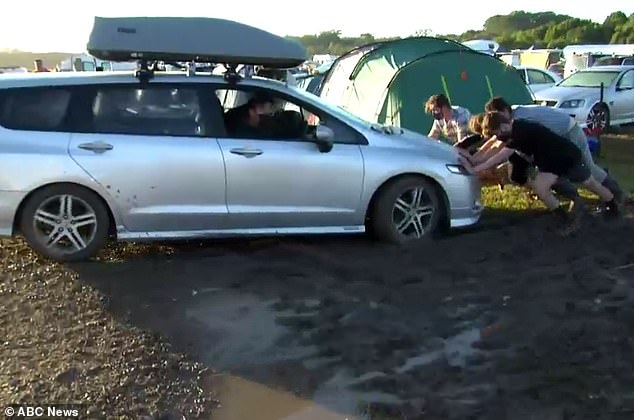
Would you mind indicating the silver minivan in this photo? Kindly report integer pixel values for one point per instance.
(90, 156)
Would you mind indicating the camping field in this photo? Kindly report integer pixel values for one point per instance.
(506, 320)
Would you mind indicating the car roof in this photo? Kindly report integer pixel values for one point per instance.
(15, 80)
(608, 68)
(529, 68)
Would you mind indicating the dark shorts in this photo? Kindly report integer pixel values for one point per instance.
(579, 173)
(520, 169)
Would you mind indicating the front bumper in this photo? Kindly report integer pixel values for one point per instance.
(580, 115)
(465, 201)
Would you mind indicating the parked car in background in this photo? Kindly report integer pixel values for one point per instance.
(614, 61)
(538, 79)
(557, 68)
(581, 97)
(310, 83)
(13, 69)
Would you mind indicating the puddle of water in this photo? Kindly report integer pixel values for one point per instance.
(247, 331)
(250, 333)
(336, 394)
(455, 349)
(627, 272)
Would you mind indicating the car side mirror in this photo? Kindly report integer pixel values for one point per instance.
(324, 138)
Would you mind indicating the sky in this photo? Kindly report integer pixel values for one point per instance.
(63, 25)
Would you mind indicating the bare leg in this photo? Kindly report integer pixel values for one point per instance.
(594, 186)
(542, 185)
(566, 189)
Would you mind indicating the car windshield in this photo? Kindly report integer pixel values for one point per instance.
(335, 109)
(590, 79)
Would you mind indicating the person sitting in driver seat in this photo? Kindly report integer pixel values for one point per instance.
(250, 120)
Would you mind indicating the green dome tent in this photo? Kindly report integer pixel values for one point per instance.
(389, 82)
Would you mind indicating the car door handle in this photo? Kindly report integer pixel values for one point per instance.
(97, 147)
(249, 153)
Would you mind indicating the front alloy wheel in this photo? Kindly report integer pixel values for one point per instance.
(598, 119)
(413, 213)
(407, 209)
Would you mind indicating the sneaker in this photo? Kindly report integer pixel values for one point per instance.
(611, 209)
(568, 222)
(620, 198)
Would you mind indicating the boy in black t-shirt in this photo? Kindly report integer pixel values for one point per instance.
(553, 155)
(477, 150)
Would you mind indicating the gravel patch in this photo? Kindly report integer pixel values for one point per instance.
(61, 345)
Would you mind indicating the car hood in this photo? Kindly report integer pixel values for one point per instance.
(403, 138)
(564, 93)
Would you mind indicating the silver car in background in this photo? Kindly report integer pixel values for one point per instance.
(538, 79)
(87, 157)
(579, 95)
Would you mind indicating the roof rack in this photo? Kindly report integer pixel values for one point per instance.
(150, 40)
(146, 69)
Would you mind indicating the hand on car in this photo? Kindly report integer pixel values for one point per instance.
(467, 164)
(463, 153)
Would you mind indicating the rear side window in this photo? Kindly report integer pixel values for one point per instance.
(34, 109)
(152, 110)
(538, 77)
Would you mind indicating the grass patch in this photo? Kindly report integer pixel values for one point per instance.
(617, 155)
(511, 198)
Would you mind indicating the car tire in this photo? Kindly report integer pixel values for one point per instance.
(599, 109)
(406, 210)
(77, 214)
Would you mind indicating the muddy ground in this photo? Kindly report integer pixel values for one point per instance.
(506, 321)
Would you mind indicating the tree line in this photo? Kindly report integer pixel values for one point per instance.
(518, 29)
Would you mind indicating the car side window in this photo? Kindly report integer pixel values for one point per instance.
(539, 77)
(35, 109)
(627, 81)
(153, 110)
(286, 118)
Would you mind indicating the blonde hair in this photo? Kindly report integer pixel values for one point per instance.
(475, 123)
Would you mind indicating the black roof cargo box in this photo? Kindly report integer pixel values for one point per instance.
(191, 39)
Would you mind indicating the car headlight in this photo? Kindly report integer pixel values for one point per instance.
(573, 103)
(458, 169)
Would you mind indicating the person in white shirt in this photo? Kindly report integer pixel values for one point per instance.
(451, 123)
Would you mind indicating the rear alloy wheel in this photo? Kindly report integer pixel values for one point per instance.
(409, 209)
(65, 223)
(598, 118)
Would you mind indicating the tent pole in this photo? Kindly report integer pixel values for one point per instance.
(444, 86)
(486, 76)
